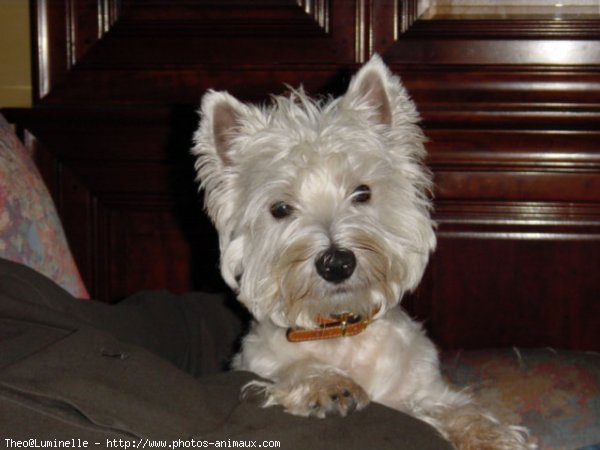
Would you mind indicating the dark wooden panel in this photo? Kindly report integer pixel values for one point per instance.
(500, 289)
(511, 108)
(171, 52)
(511, 111)
(154, 243)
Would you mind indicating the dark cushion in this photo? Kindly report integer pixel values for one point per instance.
(72, 369)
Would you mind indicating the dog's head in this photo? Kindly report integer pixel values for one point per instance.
(321, 206)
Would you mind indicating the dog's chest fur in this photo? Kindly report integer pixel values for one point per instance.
(391, 359)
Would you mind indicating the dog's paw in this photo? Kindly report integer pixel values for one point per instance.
(471, 428)
(334, 395)
(316, 396)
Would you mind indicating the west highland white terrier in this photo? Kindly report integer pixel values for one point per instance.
(323, 214)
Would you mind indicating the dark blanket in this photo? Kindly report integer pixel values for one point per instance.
(149, 369)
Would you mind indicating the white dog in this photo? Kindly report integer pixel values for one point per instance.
(324, 223)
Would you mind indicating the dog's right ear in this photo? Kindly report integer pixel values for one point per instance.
(222, 121)
(221, 117)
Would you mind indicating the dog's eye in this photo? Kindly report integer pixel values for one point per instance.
(361, 194)
(281, 210)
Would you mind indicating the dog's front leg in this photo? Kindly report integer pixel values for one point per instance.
(308, 388)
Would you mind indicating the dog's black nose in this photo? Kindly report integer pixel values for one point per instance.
(336, 264)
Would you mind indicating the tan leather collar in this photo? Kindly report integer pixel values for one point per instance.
(347, 324)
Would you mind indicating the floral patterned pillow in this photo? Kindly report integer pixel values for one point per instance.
(556, 394)
(30, 230)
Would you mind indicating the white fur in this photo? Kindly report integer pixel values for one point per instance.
(312, 155)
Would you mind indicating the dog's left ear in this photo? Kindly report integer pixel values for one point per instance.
(370, 86)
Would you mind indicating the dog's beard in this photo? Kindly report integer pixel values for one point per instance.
(301, 296)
